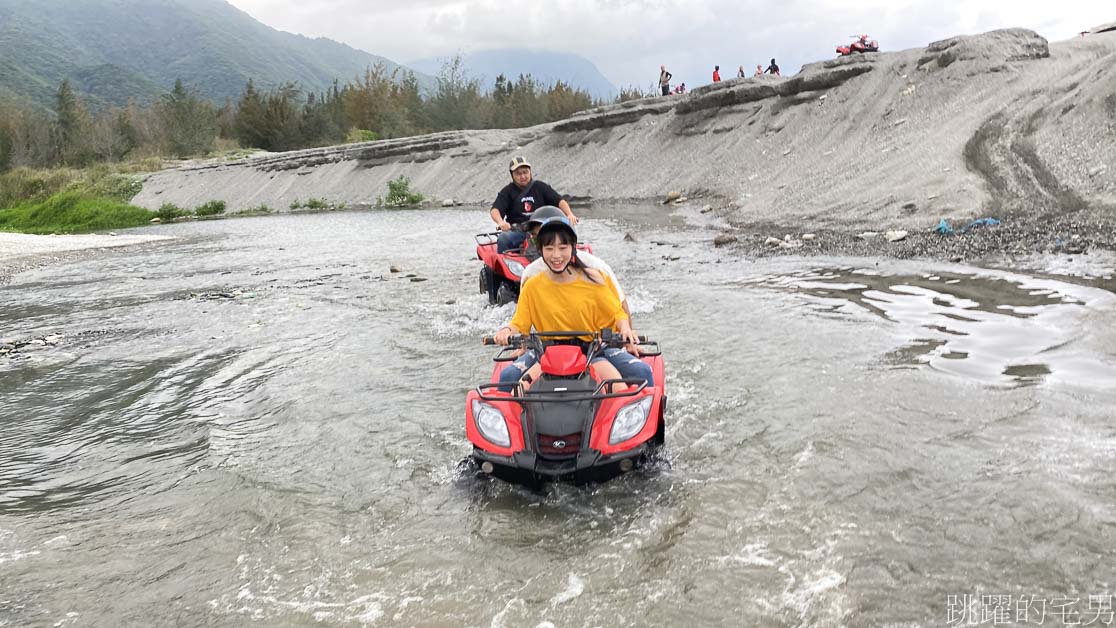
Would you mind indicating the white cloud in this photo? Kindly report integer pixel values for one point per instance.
(628, 39)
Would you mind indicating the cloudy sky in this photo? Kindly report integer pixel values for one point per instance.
(629, 39)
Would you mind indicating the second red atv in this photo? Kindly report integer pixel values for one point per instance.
(860, 44)
(502, 271)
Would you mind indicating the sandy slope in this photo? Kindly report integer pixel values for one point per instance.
(968, 126)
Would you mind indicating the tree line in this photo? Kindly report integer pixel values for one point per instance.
(376, 105)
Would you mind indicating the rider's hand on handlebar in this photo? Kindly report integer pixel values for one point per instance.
(504, 225)
(630, 336)
(502, 336)
(574, 220)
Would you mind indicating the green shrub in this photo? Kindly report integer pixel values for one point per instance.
(212, 208)
(360, 135)
(72, 212)
(117, 187)
(400, 194)
(169, 211)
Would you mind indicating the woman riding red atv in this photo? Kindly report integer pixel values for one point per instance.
(571, 413)
(569, 296)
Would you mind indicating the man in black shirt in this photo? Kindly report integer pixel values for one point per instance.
(515, 203)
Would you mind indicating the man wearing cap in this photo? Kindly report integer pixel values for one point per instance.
(515, 203)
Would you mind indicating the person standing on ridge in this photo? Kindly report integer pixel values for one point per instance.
(664, 80)
(759, 70)
(517, 201)
(740, 72)
(772, 69)
(716, 74)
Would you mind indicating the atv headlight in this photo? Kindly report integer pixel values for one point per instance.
(515, 267)
(491, 424)
(629, 421)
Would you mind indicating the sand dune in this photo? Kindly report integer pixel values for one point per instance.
(967, 126)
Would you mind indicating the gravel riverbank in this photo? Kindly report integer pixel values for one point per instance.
(21, 251)
(1016, 234)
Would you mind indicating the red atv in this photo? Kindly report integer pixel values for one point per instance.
(567, 426)
(502, 271)
(860, 44)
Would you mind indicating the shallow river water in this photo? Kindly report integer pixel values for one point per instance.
(259, 423)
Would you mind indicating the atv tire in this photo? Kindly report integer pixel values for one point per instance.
(488, 284)
(504, 294)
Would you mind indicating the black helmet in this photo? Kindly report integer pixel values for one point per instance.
(558, 223)
(542, 214)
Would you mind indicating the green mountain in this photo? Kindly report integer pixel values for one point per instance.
(116, 50)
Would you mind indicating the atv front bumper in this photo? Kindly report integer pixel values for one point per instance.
(528, 468)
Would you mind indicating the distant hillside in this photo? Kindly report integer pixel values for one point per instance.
(116, 50)
(996, 125)
(545, 67)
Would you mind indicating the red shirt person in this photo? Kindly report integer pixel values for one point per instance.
(716, 74)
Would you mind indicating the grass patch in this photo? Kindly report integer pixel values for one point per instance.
(23, 185)
(260, 210)
(72, 212)
(118, 182)
(318, 204)
(147, 164)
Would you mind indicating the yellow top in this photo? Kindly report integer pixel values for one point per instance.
(580, 305)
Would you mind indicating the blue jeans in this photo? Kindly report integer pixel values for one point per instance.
(629, 366)
(509, 240)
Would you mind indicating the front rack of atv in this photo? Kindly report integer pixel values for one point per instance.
(521, 396)
(509, 353)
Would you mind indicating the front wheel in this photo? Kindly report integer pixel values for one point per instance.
(659, 439)
(505, 294)
(488, 284)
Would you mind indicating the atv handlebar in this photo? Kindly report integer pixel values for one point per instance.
(612, 340)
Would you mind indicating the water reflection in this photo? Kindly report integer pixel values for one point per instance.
(993, 327)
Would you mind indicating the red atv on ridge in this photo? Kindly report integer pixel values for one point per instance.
(860, 44)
